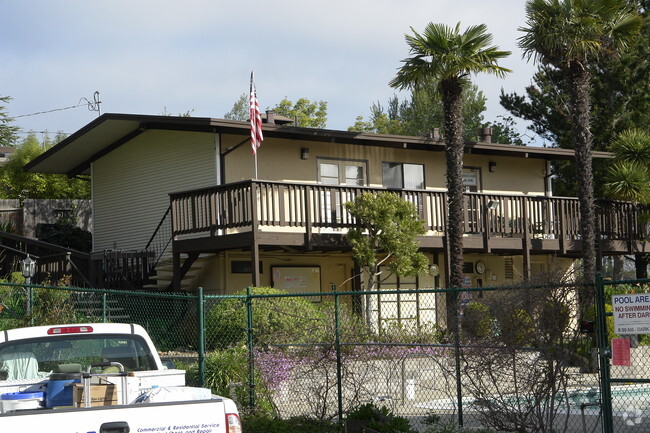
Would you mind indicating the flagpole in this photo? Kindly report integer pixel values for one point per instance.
(256, 122)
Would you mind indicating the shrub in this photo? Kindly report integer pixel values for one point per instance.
(380, 419)
(592, 313)
(517, 327)
(226, 371)
(396, 332)
(263, 423)
(50, 306)
(279, 320)
(67, 235)
(477, 321)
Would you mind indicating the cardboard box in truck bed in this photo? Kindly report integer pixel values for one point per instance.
(100, 395)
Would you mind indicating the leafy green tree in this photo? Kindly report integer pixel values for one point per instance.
(570, 34)
(7, 130)
(385, 236)
(443, 57)
(420, 113)
(305, 113)
(18, 184)
(188, 113)
(620, 97)
(240, 109)
(620, 100)
(504, 131)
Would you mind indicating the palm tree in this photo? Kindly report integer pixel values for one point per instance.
(629, 177)
(568, 35)
(444, 57)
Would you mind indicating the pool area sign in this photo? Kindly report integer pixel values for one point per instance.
(631, 313)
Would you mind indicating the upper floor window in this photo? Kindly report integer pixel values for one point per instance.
(472, 180)
(334, 172)
(402, 176)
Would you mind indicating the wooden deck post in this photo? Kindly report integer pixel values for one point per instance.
(255, 247)
(308, 216)
(486, 225)
(525, 240)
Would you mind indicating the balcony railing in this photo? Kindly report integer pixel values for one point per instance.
(239, 206)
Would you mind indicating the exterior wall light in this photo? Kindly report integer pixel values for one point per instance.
(492, 166)
(28, 268)
(304, 153)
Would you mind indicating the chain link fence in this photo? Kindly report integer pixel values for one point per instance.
(170, 318)
(523, 358)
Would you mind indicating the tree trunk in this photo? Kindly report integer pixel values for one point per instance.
(641, 265)
(454, 143)
(619, 266)
(580, 116)
(372, 282)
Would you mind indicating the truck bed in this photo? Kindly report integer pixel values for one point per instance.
(203, 416)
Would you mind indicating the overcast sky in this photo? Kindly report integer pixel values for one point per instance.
(152, 57)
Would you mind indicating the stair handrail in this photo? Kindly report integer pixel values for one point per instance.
(164, 232)
(40, 249)
(116, 271)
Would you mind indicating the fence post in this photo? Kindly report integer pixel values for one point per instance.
(249, 338)
(337, 343)
(104, 318)
(201, 319)
(30, 306)
(603, 358)
(459, 390)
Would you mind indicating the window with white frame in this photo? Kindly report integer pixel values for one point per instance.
(397, 175)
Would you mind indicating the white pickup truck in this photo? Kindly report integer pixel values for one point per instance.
(100, 378)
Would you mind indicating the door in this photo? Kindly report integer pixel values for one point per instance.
(472, 183)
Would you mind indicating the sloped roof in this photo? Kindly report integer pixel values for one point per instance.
(75, 154)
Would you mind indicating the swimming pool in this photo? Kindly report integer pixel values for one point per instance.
(625, 398)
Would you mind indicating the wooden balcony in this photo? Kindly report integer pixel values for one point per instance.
(314, 217)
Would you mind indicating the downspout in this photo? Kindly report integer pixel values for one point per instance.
(217, 156)
(92, 207)
(548, 178)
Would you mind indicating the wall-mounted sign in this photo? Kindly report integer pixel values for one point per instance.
(621, 352)
(631, 313)
(296, 279)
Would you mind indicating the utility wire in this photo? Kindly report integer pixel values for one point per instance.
(92, 106)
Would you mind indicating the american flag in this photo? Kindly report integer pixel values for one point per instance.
(256, 119)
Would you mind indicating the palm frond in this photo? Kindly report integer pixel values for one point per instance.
(442, 53)
(564, 31)
(633, 145)
(628, 181)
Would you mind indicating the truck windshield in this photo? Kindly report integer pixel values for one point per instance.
(40, 357)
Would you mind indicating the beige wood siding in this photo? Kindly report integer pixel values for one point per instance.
(131, 184)
(280, 160)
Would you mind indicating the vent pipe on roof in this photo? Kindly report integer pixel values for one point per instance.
(485, 135)
(434, 134)
(270, 117)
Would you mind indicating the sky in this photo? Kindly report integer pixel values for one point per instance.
(170, 57)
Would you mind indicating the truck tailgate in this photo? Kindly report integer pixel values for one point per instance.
(206, 416)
